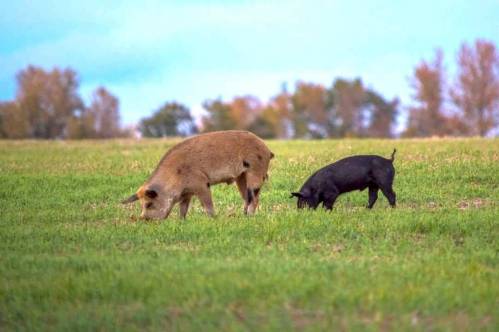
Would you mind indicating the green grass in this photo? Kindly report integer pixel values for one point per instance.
(72, 258)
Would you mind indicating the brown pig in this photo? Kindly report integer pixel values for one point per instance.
(189, 169)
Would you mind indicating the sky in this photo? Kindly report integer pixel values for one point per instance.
(150, 52)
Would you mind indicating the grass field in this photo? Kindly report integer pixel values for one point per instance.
(72, 258)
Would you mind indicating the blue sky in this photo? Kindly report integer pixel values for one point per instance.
(149, 52)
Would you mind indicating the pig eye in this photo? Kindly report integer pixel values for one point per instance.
(149, 205)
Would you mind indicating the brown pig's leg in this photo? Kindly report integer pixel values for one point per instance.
(169, 206)
(184, 205)
(205, 198)
(241, 185)
(254, 183)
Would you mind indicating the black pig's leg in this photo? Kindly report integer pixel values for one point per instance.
(373, 195)
(389, 194)
(329, 199)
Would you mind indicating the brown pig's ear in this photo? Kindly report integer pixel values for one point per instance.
(130, 199)
(151, 193)
(299, 195)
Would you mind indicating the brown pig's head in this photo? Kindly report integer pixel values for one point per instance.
(154, 202)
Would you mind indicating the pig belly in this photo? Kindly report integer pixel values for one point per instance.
(224, 174)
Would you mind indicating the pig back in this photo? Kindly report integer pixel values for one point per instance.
(220, 156)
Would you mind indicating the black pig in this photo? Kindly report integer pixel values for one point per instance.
(348, 174)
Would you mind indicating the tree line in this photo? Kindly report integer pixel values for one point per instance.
(467, 105)
(47, 105)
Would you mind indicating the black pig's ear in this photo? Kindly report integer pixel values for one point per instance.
(151, 193)
(299, 195)
(130, 199)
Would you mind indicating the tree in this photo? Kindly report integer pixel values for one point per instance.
(309, 110)
(382, 114)
(268, 123)
(349, 112)
(2, 116)
(426, 116)
(218, 117)
(354, 110)
(244, 111)
(278, 113)
(47, 105)
(262, 126)
(82, 125)
(476, 91)
(30, 97)
(104, 111)
(13, 122)
(100, 120)
(48, 100)
(171, 119)
(333, 120)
